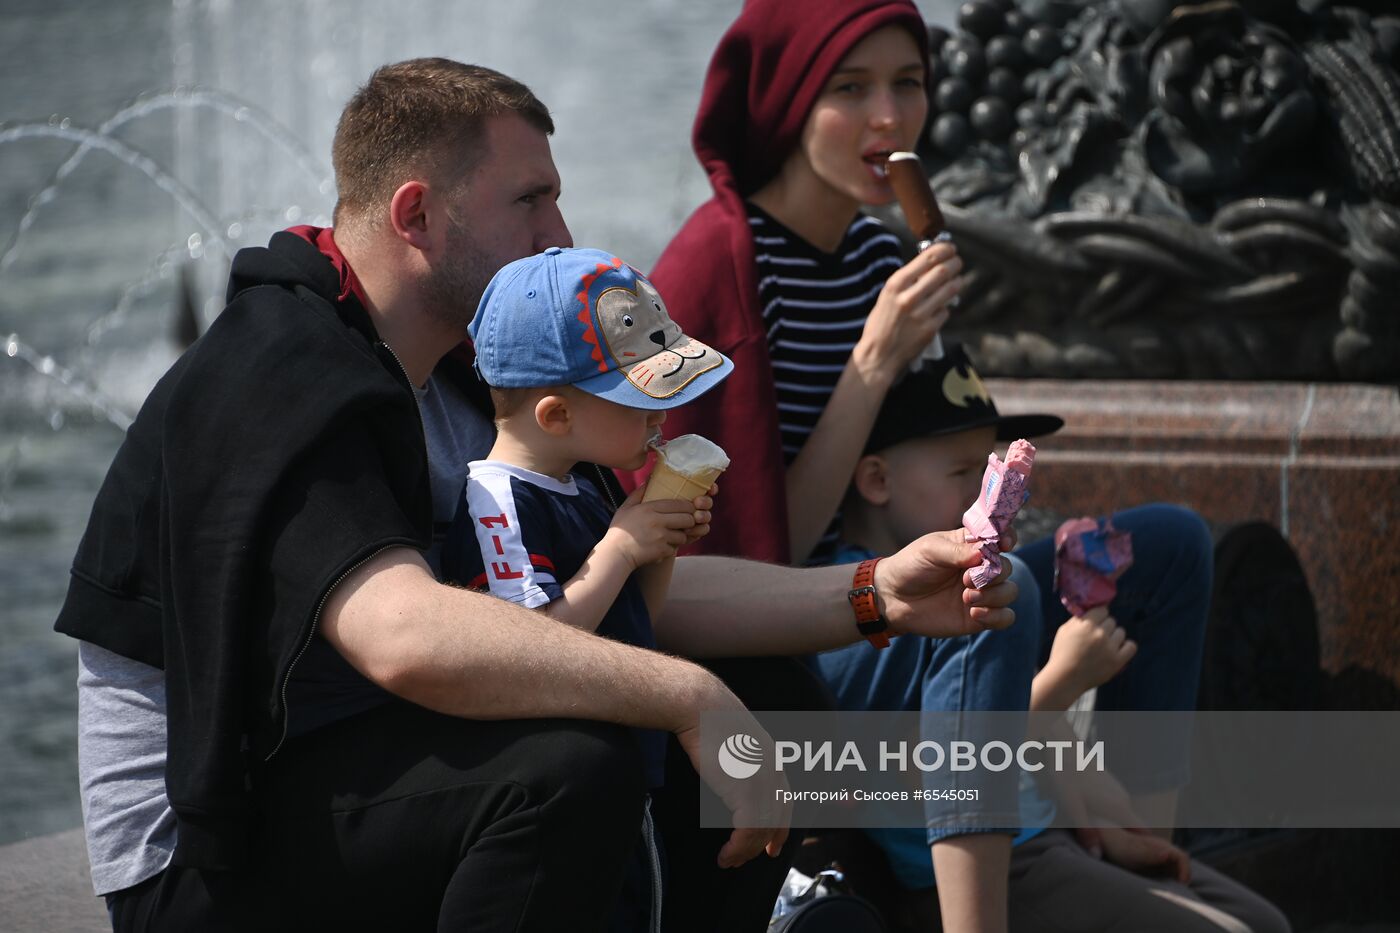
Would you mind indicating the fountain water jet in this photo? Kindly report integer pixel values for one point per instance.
(219, 101)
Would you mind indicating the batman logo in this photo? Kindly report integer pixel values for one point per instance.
(962, 390)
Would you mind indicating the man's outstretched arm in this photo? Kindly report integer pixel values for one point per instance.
(468, 654)
(721, 606)
(471, 655)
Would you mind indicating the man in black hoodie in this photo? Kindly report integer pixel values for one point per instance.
(350, 743)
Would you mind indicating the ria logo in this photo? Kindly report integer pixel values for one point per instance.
(740, 756)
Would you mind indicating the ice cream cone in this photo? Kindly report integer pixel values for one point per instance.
(666, 483)
(686, 467)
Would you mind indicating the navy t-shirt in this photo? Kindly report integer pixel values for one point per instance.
(520, 535)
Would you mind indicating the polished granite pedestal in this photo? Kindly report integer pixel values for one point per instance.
(1320, 462)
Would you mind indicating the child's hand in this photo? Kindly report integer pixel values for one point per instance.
(702, 505)
(1139, 851)
(647, 532)
(1088, 651)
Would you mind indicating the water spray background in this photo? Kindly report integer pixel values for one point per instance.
(145, 137)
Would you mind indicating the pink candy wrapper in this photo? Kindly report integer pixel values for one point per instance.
(1090, 556)
(1003, 494)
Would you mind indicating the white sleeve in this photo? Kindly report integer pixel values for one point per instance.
(500, 534)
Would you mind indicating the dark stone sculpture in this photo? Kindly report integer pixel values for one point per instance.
(1144, 189)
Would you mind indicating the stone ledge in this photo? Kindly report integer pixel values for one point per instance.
(45, 887)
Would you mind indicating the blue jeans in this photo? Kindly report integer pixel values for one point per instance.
(1162, 602)
(991, 670)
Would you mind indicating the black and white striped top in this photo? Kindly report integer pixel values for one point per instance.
(814, 307)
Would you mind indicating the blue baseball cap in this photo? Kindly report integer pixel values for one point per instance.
(583, 317)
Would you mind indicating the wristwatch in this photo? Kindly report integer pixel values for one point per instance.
(863, 603)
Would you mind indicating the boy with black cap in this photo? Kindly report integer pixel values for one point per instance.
(921, 469)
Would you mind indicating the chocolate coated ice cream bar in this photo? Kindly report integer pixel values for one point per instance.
(921, 213)
(916, 198)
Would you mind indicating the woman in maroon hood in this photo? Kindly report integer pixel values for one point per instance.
(779, 270)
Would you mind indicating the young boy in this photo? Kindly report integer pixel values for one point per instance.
(583, 363)
(922, 468)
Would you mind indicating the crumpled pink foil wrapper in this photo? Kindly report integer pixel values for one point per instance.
(1090, 556)
(1003, 494)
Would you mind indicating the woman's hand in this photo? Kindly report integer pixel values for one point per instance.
(909, 312)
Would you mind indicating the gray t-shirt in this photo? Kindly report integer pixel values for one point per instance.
(121, 703)
(456, 435)
(121, 768)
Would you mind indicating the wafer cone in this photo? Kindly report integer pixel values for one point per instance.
(668, 482)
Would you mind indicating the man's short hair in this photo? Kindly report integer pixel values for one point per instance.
(421, 115)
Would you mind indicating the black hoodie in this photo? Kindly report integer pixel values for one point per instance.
(279, 452)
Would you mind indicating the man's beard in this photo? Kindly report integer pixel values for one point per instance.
(455, 286)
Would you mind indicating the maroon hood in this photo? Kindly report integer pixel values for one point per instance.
(766, 74)
(764, 78)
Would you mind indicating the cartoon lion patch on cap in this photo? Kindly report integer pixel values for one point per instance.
(643, 342)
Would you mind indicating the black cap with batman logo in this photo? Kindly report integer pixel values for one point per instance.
(945, 397)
